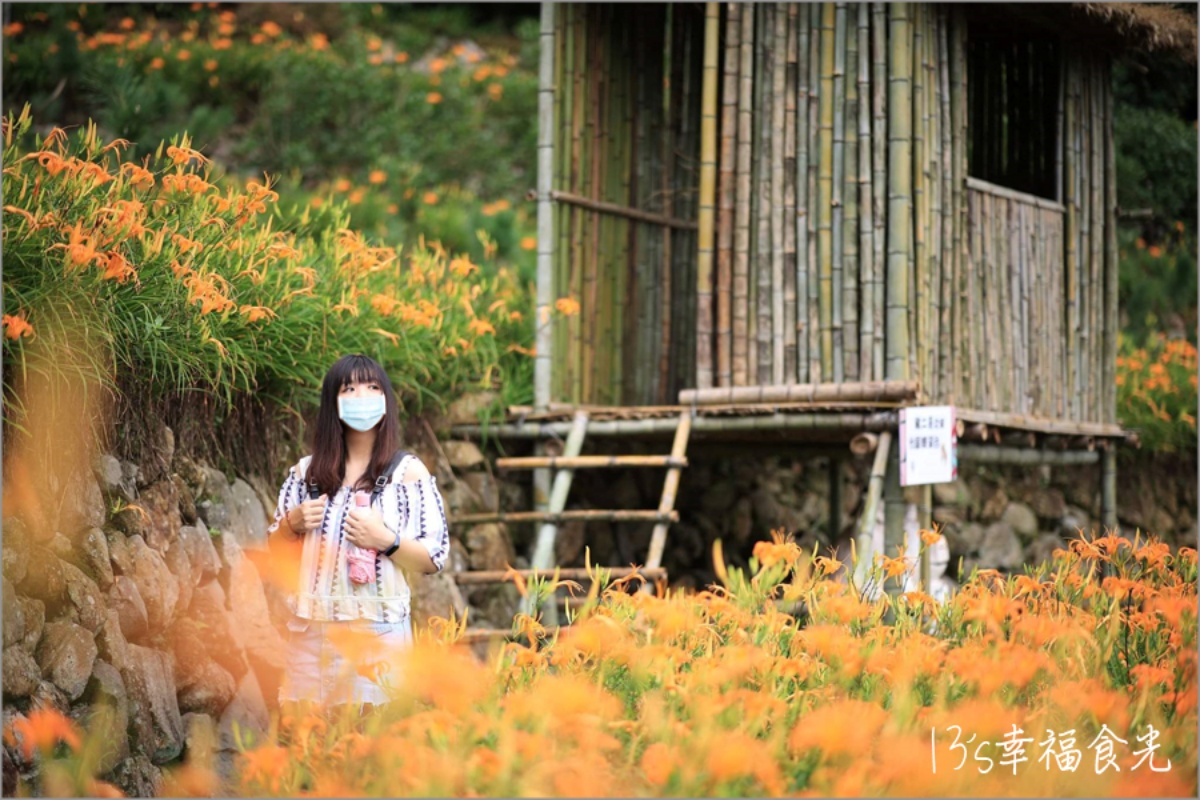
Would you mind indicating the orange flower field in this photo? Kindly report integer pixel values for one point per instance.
(1078, 679)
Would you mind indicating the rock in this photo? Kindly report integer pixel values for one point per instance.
(206, 688)
(1022, 520)
(201, 552)
(187, 500)
(180, 566)
(66, 656)
(1042, 550)
(1048, 504)
(82, 505)
(126, 600)
(435, 596)
(190, 472)
(460, 498)
(217, 634)
(34, 611)
(467, 408)
(136, 776)
(111, 642)
(106, 694)
(248, 711)
(84, 598)
(250, 615)
(160, 501)
(952, 494)
(741, 524)
(462, 455)
(1074, 520)
(131, 521)
(13, 614)
(16, 550)
(484, 486)
(459, 559)
(994, 505)
(158, 587)
(44, 579)
(491, 606)
(235, 510)
(49, 696)
(717, 499)
(21, 673)
(489, 547)
(157, 453)
(569, 543)
(1001, 548)
(116, 480)
(948, 515)
(964, 539)
(768, 514)
(94, 558)
(150, 682)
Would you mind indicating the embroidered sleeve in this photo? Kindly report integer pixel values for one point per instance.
(291, 494)
(424, 516)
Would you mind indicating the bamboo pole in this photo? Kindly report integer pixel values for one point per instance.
(761, 290)
(1024, 456)
(1097, 388)
(815, 371)
(786, 360)
(1072, 235)
(870, 512)
(879, 142)
(670, 143)
(618, 210)
(741, 262)
(778, 54)
(960, 364)
(804, 199)
(545, 214)
(1108, 494)
(860, 391)
(899, 222)
(837, 222)
(666, 505)
(866, 230)
(1111, 258)
(852, 264)
(578, 219)
(590, 313)
(919, 299)
(729, 95)
(947, 385)
(864, 444)
(825, 183)
(565, 462)
(840, 422)
(708, 174)
(482, 577)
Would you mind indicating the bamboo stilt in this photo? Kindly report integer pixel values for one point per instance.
(866, 230)
(741, 263)
(893, 511)
(729, 95)
(899, 218)
(708, 175)
(804, 199)
(1108, 494)
(852, 264)
(825, 183)
(786, 362)
(870, 512)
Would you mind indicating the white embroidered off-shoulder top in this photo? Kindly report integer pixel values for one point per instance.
(325, 592)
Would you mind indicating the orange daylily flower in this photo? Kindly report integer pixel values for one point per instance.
(17, 327)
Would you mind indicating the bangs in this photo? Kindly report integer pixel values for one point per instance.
(356, 369)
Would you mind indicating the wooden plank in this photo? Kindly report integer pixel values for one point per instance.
(582, 515)
(477, 577)
(589, 462)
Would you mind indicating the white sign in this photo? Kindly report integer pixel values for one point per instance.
(928, 445)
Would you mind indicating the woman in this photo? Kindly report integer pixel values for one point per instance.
(354, 546)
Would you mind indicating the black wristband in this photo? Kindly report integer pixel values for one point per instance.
(395, 546)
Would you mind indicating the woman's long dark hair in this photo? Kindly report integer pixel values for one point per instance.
(328, 467)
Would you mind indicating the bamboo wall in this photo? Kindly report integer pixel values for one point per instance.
(823, 151)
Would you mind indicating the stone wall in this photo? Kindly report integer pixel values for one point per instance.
(137, 593)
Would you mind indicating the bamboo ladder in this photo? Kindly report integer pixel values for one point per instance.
(564, 466)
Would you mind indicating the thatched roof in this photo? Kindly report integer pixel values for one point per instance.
(1146, 26)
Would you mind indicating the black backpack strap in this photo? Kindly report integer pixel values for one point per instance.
(383, 479)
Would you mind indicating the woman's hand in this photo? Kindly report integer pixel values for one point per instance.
(365, 528)
(306, 517)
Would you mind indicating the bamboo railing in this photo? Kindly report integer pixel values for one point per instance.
(775, 194)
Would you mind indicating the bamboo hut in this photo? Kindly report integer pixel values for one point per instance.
(806, 215)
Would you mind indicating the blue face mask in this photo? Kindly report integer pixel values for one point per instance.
(362, 413)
